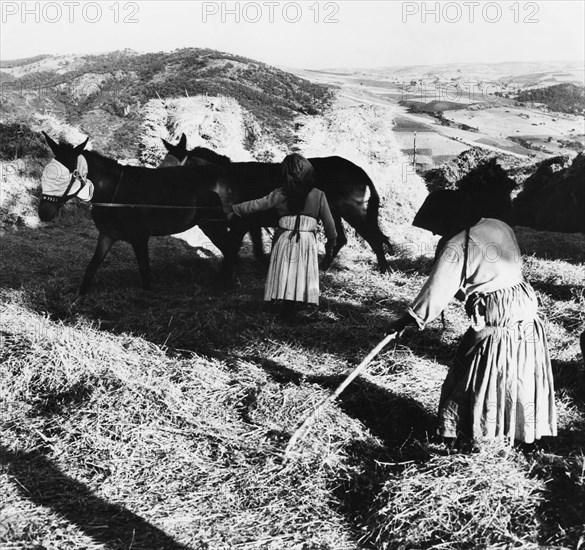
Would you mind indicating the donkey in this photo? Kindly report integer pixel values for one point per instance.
(132, 203)
(343, 182)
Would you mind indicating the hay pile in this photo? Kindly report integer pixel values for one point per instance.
(154, 129)
(19, 195)
(553, 197)
(459, 501)
(217, 123)
(213, 122)
(23, 155)
(450, 173)
(189, 445)
(549, 195)
(59, 130)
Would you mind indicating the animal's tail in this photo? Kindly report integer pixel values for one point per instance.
(373, 211)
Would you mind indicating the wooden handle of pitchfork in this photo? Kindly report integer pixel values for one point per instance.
(308, 422)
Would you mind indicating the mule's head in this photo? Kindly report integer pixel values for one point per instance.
(63, 178)
(176, 154)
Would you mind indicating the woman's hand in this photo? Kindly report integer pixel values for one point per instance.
(398, 325)
(231, 216)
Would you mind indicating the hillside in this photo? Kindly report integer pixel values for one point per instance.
(521, 73)
(104, 95)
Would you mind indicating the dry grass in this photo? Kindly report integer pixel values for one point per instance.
(158, 419)
(478, 500)
(178, 444)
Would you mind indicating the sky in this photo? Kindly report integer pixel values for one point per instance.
(304, 34)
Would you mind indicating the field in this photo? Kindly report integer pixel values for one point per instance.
(465, 95)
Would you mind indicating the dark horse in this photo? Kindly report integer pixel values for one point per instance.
(343, 182)
(131, 203)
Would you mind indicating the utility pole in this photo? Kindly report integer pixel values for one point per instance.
(414, 152)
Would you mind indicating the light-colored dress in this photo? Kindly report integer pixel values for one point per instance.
(500, 385)
(293, 273)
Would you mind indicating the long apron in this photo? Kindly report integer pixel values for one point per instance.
(500, 384)
(293, 273)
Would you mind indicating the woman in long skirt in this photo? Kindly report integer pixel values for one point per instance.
(293, 273)
(500, 385)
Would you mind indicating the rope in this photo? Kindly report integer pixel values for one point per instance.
(164, 206)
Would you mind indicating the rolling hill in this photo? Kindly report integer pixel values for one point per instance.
(104, 95)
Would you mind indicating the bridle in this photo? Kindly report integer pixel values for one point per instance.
(75, 175)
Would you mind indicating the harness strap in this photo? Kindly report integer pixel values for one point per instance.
(75, 175)
(163, 206)
(118, 186)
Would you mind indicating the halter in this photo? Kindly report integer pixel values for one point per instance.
(75, 175)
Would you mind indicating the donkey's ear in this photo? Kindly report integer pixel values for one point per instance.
(81, 146)
(182, 142)
(54, 146)
(167, 145)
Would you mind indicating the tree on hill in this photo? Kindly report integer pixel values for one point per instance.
(565, 98)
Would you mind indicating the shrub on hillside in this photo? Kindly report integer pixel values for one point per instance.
(17, 140)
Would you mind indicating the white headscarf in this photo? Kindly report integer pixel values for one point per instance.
(56, 178)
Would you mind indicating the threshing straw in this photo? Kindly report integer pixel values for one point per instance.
(308, 422)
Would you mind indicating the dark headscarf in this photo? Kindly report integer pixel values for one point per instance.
(446, 212)
(299, 178)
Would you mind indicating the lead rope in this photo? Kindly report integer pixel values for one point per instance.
(118, 186)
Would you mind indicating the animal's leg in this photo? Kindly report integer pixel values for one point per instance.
(141, 250)
(341, 240)
(104, 245)
(217, 232)
(214, 224)
(256, 235)
(341, 236)
(375, 238)
(237, 230)
(371, 233)
(387, 242)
